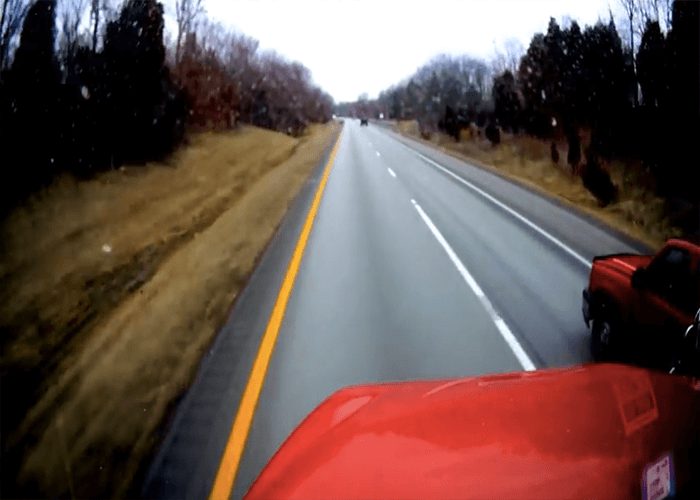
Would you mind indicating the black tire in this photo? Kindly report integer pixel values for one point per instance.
(605, 335)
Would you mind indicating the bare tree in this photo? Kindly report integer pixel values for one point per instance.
(631, 7)
(95, 9)
(508, 57)
(228, 79)
(646, 11)
(654, 10)
(242, 63)
(186, 12)
(71, 16)
(667, 11)
(11, 17)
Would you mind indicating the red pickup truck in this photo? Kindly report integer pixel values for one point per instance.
(643, 303)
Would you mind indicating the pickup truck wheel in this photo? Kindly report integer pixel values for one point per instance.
(603, 337)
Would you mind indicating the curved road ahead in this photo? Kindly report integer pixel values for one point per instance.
(418, 266)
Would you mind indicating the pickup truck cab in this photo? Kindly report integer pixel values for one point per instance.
(643, 303)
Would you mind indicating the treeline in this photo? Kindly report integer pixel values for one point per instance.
(606, 98)
(102, 108)
(228, 79)
(445, 82)
(636, 104)
(82, 96)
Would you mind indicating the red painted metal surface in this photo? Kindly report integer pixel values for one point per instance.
(584, 432)
(613, 274)
(611, 282)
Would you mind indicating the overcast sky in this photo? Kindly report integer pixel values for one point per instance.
(356, 46)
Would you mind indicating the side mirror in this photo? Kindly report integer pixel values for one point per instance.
(693, 331)
(640, 278)
(695, 327)
(687, 360)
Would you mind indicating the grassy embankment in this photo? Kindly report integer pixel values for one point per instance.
(638, 212)
(112, 290)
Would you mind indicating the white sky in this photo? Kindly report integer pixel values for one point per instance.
(356, 46)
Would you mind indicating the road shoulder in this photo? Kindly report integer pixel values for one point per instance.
(187, 461)
(590, 217)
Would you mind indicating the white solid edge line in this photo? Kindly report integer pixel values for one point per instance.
(503, 206)
(512, 212)
(501, 325)
(391, 172)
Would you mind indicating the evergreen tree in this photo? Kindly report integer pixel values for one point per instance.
(506, 100)
(574, 94)
(651, 66)
(145, 107)
(29, 106)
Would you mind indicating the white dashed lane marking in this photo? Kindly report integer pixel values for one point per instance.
(501, 325)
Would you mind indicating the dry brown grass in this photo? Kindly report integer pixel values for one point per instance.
(408, 127)
(638, 213)
(97, 345)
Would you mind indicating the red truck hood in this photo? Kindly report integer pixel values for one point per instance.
(623, 263)
(585, 432)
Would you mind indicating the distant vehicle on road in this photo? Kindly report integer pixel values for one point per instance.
(642, 303)
(364, 122)
(595, 431)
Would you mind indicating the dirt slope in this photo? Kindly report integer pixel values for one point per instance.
(112, 290)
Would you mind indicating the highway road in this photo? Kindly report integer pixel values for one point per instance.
(417, 266)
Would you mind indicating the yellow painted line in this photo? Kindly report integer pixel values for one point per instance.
(231, 459)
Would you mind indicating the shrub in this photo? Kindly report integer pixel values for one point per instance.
(597, 180)
(426, 129)
(554, 153)
(212, 96)
(574, 155)
(537, 124)
(450, 123)
(493, 133)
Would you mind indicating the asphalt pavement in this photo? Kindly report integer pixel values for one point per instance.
(418, 266)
